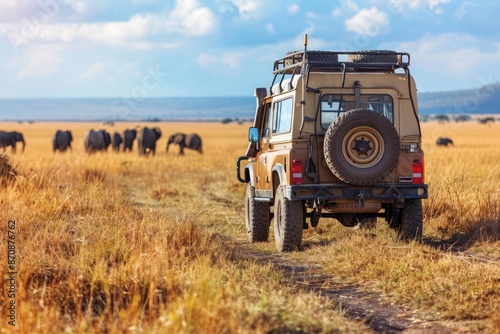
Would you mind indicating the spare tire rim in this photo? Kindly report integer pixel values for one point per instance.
(363, 147)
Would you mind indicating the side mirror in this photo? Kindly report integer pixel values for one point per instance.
(253, 135)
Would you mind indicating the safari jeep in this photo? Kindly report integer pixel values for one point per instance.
(335, 135)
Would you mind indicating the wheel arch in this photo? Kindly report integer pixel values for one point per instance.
(249, 175)
(277, 178)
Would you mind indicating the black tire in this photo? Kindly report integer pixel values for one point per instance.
(361, 147)
(323, 56)
(256, 217)
(288, 222)
(411, 220)
(375, 56)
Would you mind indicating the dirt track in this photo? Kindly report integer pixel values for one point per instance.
(357, 303)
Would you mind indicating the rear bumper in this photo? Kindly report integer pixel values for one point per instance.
(387, 192)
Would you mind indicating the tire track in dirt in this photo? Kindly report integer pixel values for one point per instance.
(356, 303)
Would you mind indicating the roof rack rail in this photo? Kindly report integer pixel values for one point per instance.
(373, 60)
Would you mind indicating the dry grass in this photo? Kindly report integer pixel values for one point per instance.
(7, 172)
(121, 243)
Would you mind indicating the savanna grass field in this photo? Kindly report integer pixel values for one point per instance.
(121, 243)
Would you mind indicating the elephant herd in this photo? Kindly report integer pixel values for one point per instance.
(101, 140)
(146, 141)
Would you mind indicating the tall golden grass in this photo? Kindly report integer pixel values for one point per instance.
(115, 242)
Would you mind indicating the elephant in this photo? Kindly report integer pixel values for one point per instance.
(192, 141)
(97, 141)
(62, 140)
(10, 139)
(117, 141)
(146, 140)
(128, 139)
(444, 141)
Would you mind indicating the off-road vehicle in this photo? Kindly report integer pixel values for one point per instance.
(335, 135)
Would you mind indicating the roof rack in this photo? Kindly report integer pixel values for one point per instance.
(375, 60)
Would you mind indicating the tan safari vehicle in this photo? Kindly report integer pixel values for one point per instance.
(335, 135)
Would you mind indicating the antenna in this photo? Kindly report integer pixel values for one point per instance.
(305, 46)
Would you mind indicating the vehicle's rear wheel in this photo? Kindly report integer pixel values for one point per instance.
(288, 222)
(256, 217)
(361, 147)
(411, 220)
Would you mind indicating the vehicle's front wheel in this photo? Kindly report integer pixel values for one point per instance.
(256, 217)
(411, 220)
(288, 222)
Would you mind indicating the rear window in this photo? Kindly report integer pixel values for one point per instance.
(332, 105)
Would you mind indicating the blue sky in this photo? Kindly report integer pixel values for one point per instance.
(152, 48)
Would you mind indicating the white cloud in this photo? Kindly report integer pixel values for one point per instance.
(311, 16)
(270, 29)
(135, 28)
(43, 62)
(232, 60)
(398, 4)
(34, 10)
(9, 5)
(15, 10)
(227, 61)
(186, 19)
(462, 10)
(77, 5)
(206, 59)
(452, 60)
(93, 70)
(435, 3)
(248, 9)
(336, 12)
(293, 9)
(352, 5)
(370, 22)
(191, 19)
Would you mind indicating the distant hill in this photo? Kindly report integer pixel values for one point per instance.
(484, 100)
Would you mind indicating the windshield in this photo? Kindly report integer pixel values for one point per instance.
(332, 105)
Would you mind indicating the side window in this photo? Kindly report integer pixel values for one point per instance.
(282, 116)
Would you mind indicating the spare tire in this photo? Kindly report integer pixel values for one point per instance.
(374, 56)
(361, 147)
(293, 57)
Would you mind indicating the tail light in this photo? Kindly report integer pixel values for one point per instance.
(417, 169)
(296, 172)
